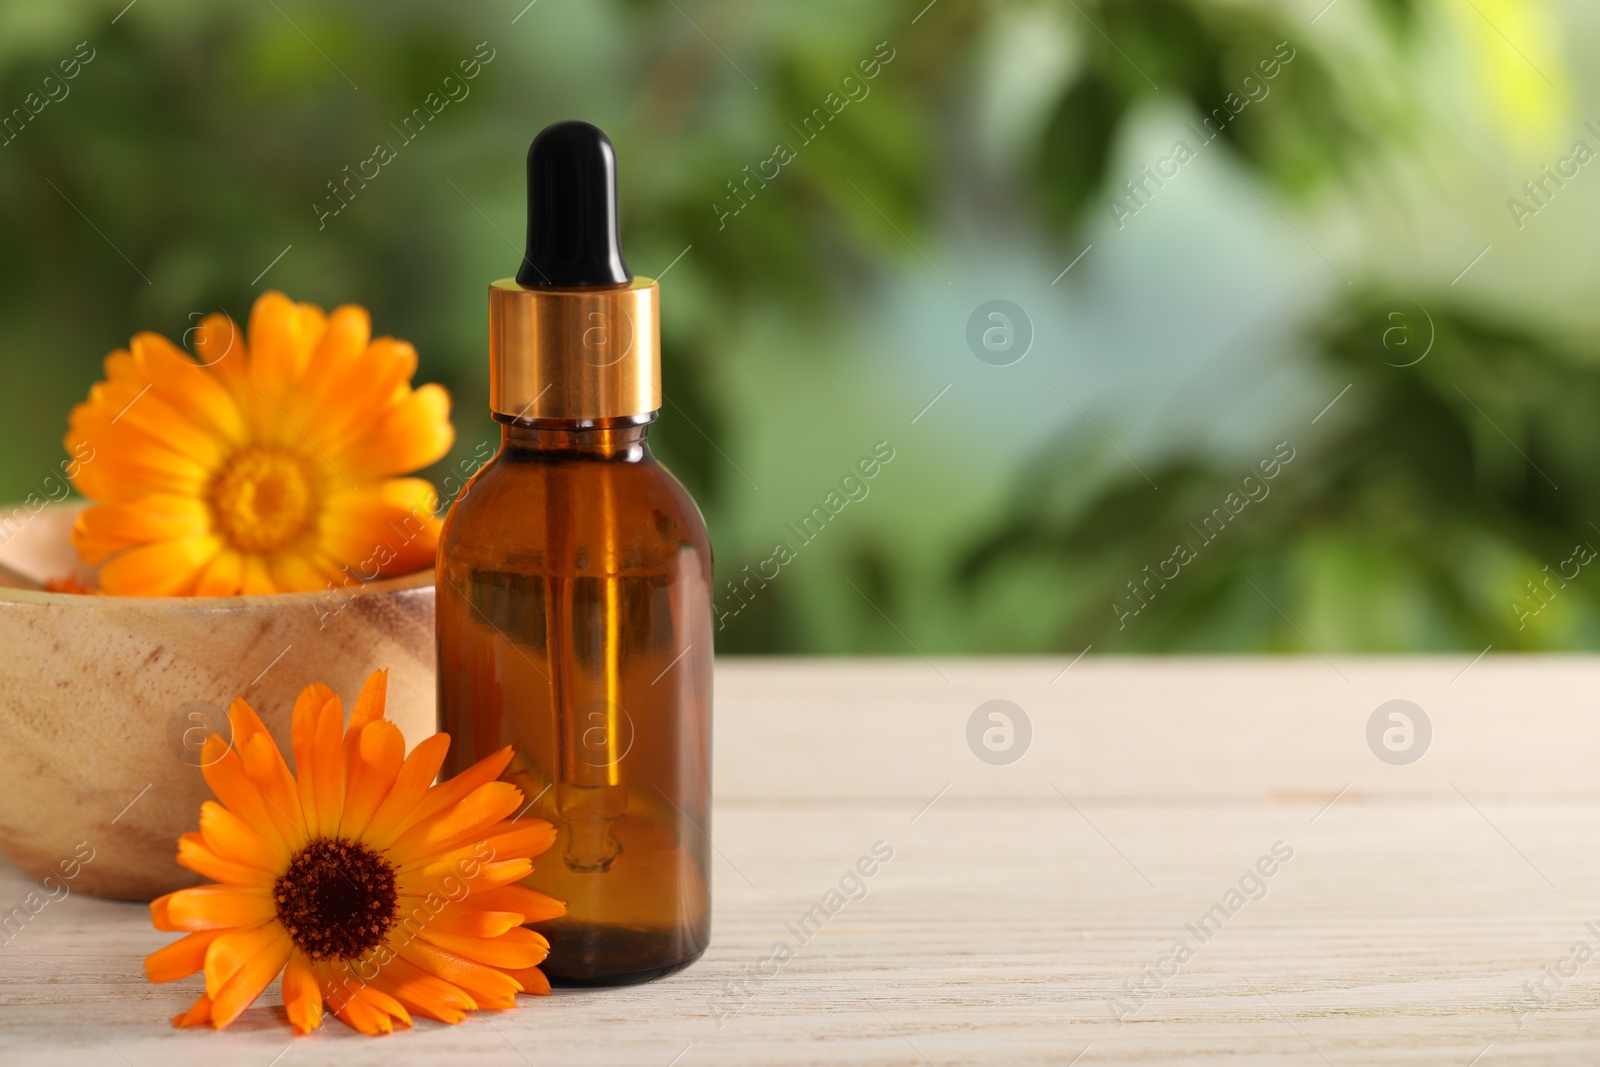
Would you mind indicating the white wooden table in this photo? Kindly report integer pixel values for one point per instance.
(1022, 899)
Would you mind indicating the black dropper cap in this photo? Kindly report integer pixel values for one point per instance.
(572, 210)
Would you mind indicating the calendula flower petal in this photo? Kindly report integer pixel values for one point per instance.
(302, 996)
(411, 785)
(308, 572)
(383, 531)
(361, 1003)
(223, 576)
(309, 728)
(369, 705)
(415, 432)
(484, 983)
(372, 772)
(466, 921)
(104, 529)
(183, 957)
(234, 839)
(327, 768)
(257, 580)
(267, 771)
(264, 767)
(179, 429)
(248, 981)
(366, 389)
(511, 950)
(229, 953)
(521, 837)
(195, 854)
(281, 340)
(219, 347)
(448, 794)
(444, 876)
(346, 361)
(532, 981)
(472, 814)
(424, 993)
(229, 778)
(199, 1014)
(215, 907)
(531, 904)
(162, 568)
(184, 385)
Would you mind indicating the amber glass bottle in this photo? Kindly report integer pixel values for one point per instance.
(574, 593)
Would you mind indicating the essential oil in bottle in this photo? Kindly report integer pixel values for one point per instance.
(574, 591)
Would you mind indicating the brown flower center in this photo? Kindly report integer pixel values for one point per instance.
(337, 899)
(263, 499)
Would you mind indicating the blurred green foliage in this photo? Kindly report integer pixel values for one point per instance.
(180, 173)
(1425, 521)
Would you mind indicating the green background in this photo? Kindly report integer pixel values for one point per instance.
(1352, 215)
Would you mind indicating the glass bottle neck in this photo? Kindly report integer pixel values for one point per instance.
(623, 439)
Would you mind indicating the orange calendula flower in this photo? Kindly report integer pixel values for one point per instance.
(364, 884)
(262, 467)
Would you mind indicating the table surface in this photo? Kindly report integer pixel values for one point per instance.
(1434, 912)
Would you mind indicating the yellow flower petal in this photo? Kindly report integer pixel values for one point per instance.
(369, 707)
(425, 994)
(280, 345)
(230, 952)
(236, 840)
(293, 572)
(220, 348)
(265, 768)
(366, 389)
(411, 785)
(223, 576)
(150, 407)
(104, 529)
(386, 530)
(442, 796)
(164, 568)
(183, 957)
(532, 981)
(248, 982)
(267, 462)
(513, 949)
(468, 819)
(197, 1015)
(372, 772)
(532, 905)
(483, 983)
(187, 386)
(302, 997)
(364, 1006)
(318, 760)
(412, 434)
(217, 907)
(467, 921)
(256, 580)
(195, 854)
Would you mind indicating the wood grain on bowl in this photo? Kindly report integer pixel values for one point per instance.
(105, 702)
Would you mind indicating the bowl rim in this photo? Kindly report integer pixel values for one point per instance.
(357, 586)
(400, 583)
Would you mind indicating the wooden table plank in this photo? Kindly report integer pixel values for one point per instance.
(1023, 900)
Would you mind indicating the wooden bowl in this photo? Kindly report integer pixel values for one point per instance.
(105, 702)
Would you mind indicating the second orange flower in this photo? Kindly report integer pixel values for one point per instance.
(366, 886)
